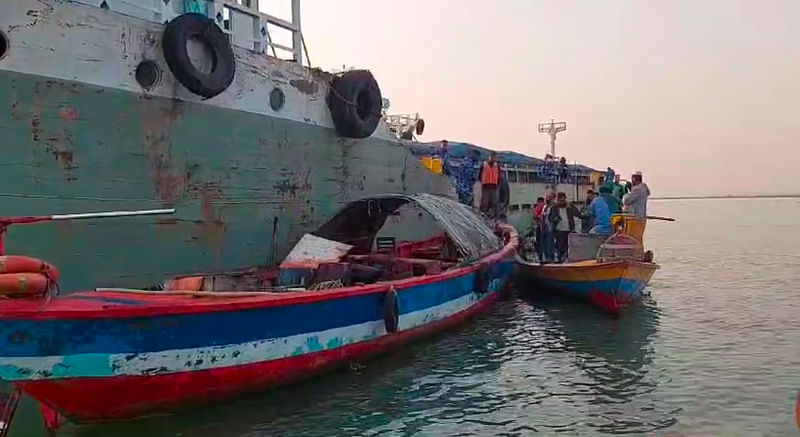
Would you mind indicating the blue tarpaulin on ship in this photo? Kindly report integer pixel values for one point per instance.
(458, 150)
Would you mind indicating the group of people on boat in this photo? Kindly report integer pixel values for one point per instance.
(554, 217)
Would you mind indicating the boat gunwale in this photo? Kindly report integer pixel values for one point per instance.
(165, 304)
(583, 264)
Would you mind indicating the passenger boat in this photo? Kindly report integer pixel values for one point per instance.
(343, 293)
(609, 272)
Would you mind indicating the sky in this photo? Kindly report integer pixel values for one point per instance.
(702, 96)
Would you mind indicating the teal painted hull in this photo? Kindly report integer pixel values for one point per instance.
(246, 186)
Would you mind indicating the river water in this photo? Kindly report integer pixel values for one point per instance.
(715, 350)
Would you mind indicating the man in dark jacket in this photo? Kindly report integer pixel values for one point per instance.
(585, 213)
(562, 217)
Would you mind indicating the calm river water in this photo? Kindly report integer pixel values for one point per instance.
(714, 351)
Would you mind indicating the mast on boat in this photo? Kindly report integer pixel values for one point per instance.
(552, 129)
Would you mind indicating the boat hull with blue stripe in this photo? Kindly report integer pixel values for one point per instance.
(109, 355)
(611, 286)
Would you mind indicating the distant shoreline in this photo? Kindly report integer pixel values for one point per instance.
(756, 196)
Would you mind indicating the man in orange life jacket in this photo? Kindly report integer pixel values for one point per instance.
(489, 175)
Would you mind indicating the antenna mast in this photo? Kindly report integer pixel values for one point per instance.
(553, 128)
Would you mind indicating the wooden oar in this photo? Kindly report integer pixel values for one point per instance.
(655, 217)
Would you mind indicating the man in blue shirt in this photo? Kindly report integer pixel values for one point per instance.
(601, 216)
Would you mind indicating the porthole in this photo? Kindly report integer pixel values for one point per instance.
(3, 45)
(148, 74)
(276, 99)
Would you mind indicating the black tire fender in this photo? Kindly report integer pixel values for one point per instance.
(482, 280)
(197, 26)
(391, 319)
(355, 101)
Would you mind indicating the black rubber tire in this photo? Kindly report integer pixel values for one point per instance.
(177, 33)
(482, 280)
(355, 103)
(420, 127)
(391, 319)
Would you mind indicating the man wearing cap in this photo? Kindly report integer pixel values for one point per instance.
(635, 202)
(614, 204)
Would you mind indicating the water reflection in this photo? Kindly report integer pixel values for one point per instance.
(615, 356)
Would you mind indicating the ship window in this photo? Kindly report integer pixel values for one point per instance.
(148, 74)
(526, 206)
(512, 176)
(3, 45)
(513, 208)
(523, 177)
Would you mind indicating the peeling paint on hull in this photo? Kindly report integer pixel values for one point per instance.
(246, 186)
(186, 350)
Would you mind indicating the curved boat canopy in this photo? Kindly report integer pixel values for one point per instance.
(358, 223)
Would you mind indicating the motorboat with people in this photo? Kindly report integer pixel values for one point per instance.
(610, 272)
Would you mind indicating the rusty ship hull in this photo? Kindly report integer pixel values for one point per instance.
(79, 133)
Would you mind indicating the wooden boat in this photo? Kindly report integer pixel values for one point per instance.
(114, 354)
(612, 280)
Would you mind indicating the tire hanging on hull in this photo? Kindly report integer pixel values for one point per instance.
(355, 103)
(198, 27)
(482, 280)
(391, 319)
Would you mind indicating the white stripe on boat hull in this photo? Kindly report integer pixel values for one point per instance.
(212, 357)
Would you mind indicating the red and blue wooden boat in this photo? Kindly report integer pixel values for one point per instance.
(611, 285)
(112, 354)
(613, 279)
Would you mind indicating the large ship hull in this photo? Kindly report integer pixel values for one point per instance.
(79, 135)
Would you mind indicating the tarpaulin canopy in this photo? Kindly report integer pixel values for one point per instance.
(358, 223)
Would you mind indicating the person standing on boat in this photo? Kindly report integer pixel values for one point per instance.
(618, 190)
(538, 209)
(609, 176)
(601, 217)
(635, 202)
(587, 221)
(489, 176)
(548, 239)
(562, 216)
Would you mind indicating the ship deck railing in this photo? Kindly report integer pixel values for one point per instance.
(243, 20)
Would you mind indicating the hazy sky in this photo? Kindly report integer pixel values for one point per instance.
(703, 96)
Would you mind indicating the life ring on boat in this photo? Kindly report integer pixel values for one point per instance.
(355, 102)
(198, 27)
(26, 276)
(390, 316)
(482, 280)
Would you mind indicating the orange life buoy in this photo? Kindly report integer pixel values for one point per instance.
(186, 283)
(23, 284)
(26, 264)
